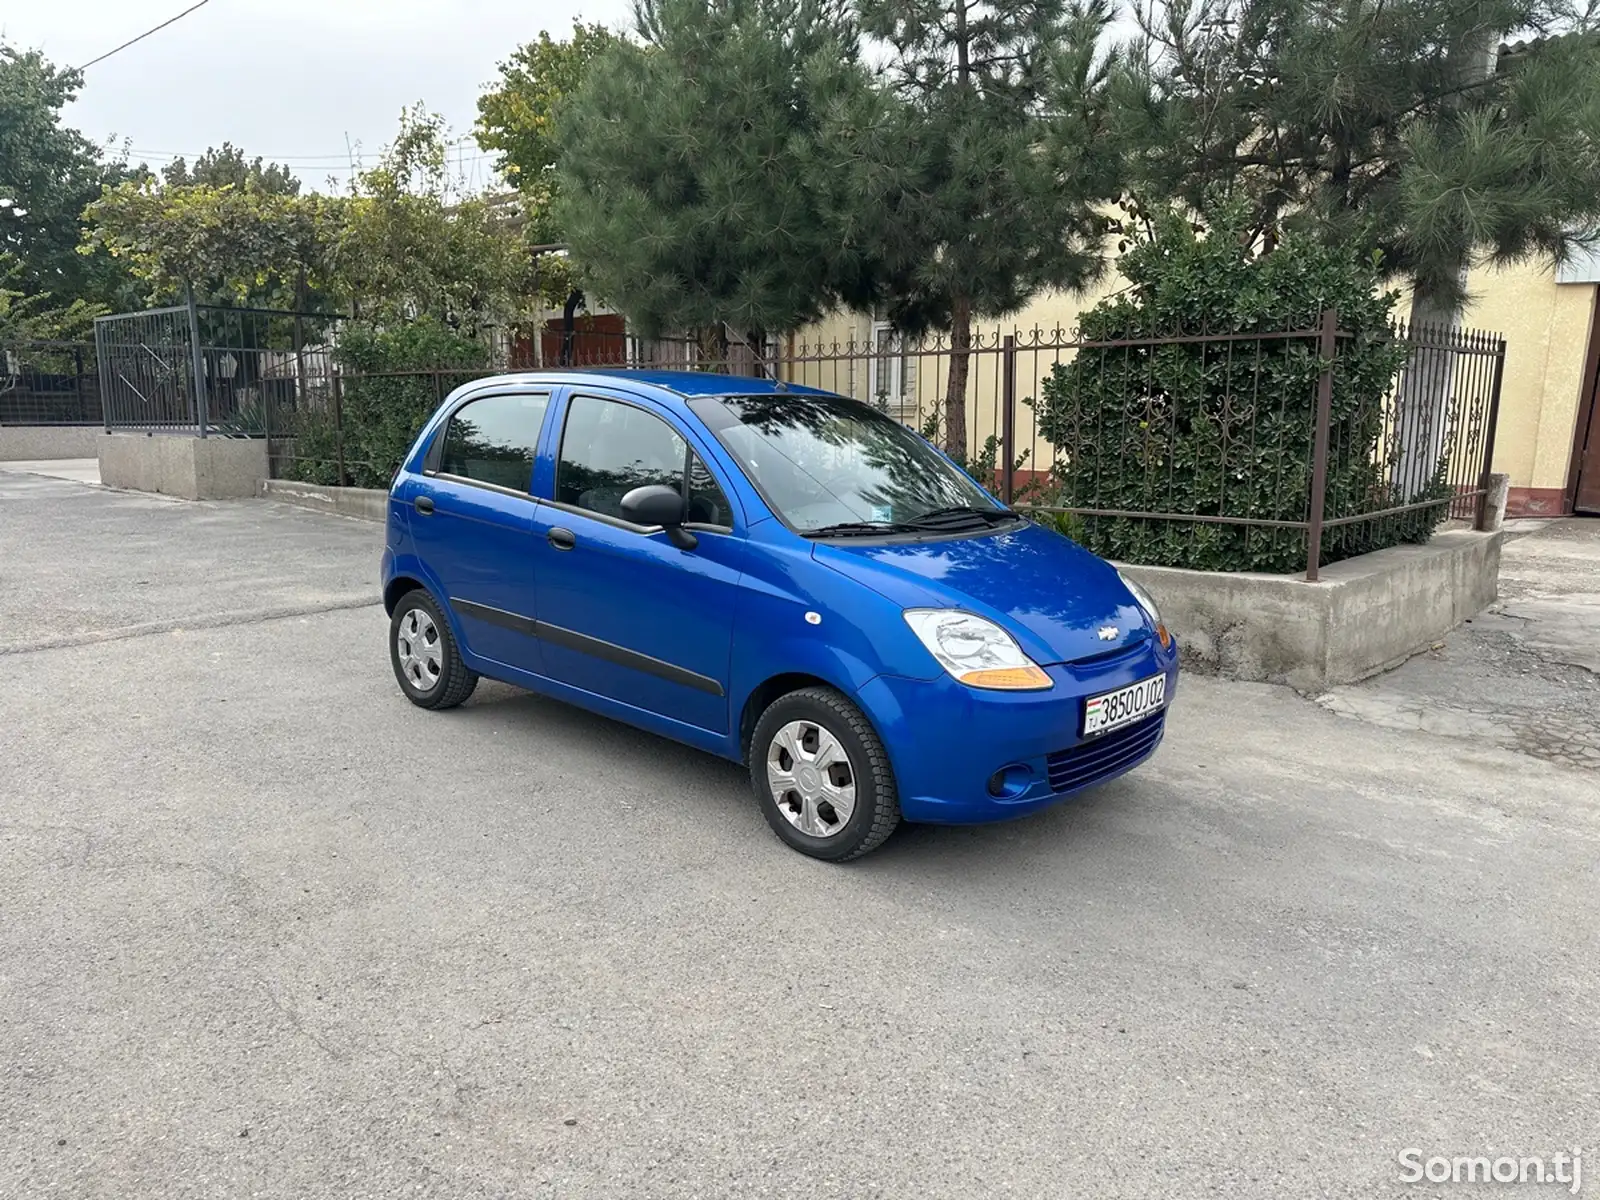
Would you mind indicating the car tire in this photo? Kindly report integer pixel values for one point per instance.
(790, 735)
(427, 662)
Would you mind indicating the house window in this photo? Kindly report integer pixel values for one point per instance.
(890, 374)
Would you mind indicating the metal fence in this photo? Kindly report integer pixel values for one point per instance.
(1278, 450)
(205, 369)
(1299, 446)
(49, 383)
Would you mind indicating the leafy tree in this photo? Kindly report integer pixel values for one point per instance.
(409, 245)
(48, 173)
(237, 245)
(400, 246)
(688, 187)
(1388, 126)
(227, 166)
(517, 119)
(1001, 121)
(25, 318)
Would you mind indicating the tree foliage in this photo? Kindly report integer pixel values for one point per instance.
(1003, 119)
(1385, 126)
(517, 119)
(232, 244)
(1226, 428)
(48, 172)
(227, 166)
(400, 245)
(690, 192)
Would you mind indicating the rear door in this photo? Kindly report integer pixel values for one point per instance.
(472, 521)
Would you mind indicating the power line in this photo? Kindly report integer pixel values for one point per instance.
(291, 160)
(144, 35)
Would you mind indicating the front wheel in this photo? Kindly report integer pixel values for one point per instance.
(822, 776)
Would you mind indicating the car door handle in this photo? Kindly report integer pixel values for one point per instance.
(562, 539)
(423, 504)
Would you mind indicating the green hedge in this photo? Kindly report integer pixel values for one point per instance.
(394, 378)
(1226, 428)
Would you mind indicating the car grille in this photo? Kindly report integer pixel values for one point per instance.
(1091, 761)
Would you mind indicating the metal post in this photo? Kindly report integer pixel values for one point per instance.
(77, 362)
(1326, 348)
(1481, 521)
(338, 424)
(100, 362)
(201, 406)
(266, 418)
(1008, 413)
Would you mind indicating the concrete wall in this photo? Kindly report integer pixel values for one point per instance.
(367, 504)
(212, 468)
(26, 443)
(1365, 615)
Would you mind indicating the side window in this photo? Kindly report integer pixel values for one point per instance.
(707, 504)
(610, 448)
(493, 440)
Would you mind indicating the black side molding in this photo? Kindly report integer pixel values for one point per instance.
(584, 644)
(496, 616)
(623, 657)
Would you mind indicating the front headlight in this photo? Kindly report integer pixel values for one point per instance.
(1150, 609)
(974, 651)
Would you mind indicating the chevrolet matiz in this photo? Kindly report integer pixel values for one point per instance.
(778, 575)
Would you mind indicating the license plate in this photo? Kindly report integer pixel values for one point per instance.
(1111, 710)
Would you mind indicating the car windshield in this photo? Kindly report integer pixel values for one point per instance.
(824, 461)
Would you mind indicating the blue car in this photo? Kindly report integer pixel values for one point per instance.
(778, 575)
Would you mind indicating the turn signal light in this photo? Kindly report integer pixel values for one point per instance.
(1166, 638)
(1011, 679)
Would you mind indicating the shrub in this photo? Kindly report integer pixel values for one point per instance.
(394, 378)
(1227, 428)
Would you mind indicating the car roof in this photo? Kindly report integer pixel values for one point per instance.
(680, 383)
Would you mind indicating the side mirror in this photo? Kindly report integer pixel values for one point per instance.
(657, 504)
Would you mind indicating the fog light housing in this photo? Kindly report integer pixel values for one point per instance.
(1010, 782)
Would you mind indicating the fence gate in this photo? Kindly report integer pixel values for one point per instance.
(147, 370)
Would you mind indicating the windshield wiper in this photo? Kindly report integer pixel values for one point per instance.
(942, 517)
(860, 529)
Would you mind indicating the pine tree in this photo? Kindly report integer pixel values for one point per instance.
(686, 186)
(1001, 106)
(1390, 124)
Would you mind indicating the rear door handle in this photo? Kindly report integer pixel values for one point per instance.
(562, 539)
(424, 504)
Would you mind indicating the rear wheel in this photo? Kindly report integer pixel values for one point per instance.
(427, 662)
(822, 776)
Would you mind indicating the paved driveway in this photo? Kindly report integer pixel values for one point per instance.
(267, 930)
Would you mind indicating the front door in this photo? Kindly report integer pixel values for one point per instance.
(473, 520)
(623, 613)
(1586, 457)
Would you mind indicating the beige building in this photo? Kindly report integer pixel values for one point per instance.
(1548, 437)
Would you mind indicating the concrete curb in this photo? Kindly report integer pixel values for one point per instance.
(364, 504)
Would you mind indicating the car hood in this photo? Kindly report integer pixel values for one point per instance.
(1060, 602)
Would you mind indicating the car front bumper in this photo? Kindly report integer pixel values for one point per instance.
(947, 741)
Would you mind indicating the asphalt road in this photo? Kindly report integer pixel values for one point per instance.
(267, 930)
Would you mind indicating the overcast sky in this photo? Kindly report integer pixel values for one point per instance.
(288, 79)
